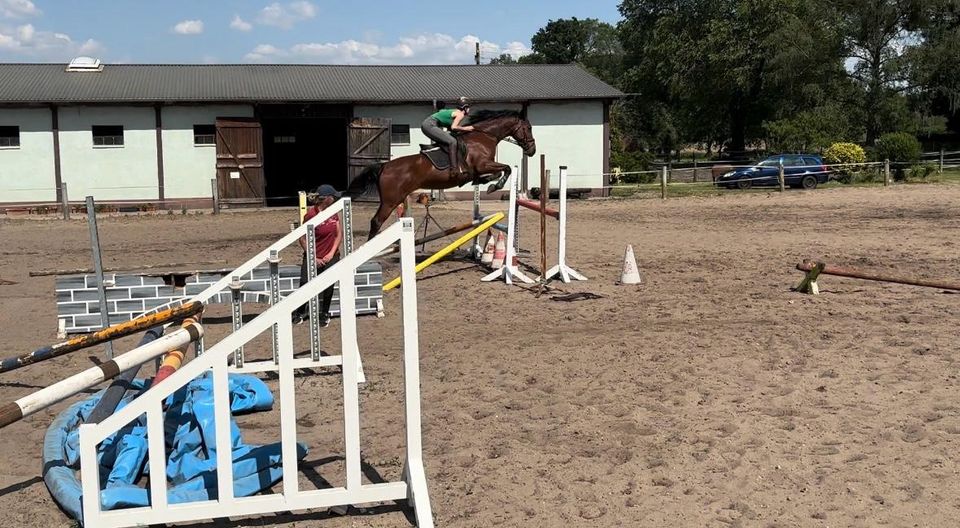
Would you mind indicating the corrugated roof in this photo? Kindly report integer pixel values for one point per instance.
(49, 83)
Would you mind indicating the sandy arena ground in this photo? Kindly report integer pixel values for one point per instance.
(710, 395)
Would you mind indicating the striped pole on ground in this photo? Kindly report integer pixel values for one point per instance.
(438, 235)
(107, 334)
(118, 387)
(174, 358)
(16, 410)
(445, 251)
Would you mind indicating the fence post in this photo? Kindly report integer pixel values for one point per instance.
(663, 183)
(886, 172)
(941, 161)
(64, 201)
(694, 167)
(216, 195)
(98, 268)
(780, 178)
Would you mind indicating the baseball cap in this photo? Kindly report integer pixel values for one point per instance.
(326, 190)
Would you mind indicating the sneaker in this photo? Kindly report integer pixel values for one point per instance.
(325, 321)
(296, 319)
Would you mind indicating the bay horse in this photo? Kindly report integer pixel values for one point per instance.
(398, 178)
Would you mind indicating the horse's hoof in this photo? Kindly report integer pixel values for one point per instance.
(497, 185)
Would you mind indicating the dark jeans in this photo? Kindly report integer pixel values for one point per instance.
(326, 296)
(432, 129)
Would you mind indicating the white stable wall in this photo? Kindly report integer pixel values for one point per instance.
(27, 172)
(188, 168)
(127, 172)
(568, 134)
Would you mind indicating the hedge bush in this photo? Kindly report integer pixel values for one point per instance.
(898, 147)
(922, 171)
(844, 153)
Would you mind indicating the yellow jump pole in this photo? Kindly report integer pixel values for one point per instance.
(303, 205)
(493, 219)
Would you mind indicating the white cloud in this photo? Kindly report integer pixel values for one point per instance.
(264, 52)
(516, 49)
(18, 9)
(240, 24)
(189, 27)
(26, 41)
(285, 16)
(429, 48)
(304, 9)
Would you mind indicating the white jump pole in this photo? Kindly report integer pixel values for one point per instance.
(509, 271)
(11, 412)
(565, 272)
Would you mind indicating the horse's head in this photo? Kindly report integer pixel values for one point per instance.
(505, 123)
(523, 133)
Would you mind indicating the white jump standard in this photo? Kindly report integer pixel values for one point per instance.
(565, 272)
(509, 271)
(412, 486)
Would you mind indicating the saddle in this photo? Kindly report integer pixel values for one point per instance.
(438, 155)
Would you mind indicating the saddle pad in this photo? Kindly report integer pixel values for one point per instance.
(438, 157)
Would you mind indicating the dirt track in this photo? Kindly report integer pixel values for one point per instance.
(711, 395)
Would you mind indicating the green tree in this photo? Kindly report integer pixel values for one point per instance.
(705, 66)
(934, 72)
(588, 42)
(504, 58)
(876, 34)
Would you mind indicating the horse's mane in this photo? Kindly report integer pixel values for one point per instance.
(486, 115)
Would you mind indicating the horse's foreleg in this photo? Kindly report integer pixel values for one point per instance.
(490, 170)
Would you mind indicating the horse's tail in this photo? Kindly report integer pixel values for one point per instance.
(360, 186)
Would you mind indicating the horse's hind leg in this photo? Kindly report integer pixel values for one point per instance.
(378, 219)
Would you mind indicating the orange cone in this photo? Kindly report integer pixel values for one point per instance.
(488, 250)
(500, 251)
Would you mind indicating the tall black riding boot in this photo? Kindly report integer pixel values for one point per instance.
(455, 161)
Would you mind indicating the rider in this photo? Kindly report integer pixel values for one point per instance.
(433, 128)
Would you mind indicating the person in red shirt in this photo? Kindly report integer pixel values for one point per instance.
(329, 234)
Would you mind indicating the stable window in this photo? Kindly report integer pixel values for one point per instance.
(400, 134)
(9, 137)
(107, 136)
(204, 135)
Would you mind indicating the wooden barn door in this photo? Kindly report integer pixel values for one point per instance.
(368, 141)
(240, 162)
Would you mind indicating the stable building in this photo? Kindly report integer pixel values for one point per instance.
(257, 134)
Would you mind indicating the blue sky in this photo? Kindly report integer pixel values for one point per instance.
(301, 31)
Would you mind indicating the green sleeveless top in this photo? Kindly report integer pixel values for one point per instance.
(444, 117)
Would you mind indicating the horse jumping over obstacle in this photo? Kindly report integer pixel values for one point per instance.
(398, 178)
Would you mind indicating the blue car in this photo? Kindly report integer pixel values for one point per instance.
(804, 171)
